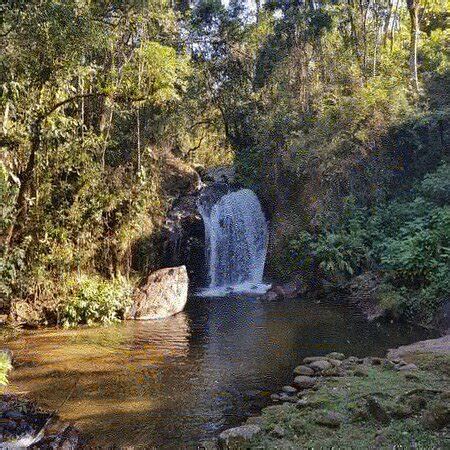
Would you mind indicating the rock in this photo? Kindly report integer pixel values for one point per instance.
(440, 345)
(303, 370)
(376, 361)
(364, 293)
(336, 355)
(320, 365)
(360, 372)
(269, 296)
(275, 397)
(15, 415)
(208, 445)
(254, 420)
(335, 362)
(408, 368)
(24, 313)
(304, 382)
(380, 441)
(287, 398)
(331, 419)
(283, 291)
(388, 364)
(302, 403)
(377, 411)
(308, 360)
(411, 376)
(291, 390)
(239, 437)
(164, 294)
(438, 416)
(222, 174)
(278, 432)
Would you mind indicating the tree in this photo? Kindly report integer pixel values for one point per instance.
(413, 9)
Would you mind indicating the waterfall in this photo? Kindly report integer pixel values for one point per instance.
(235, 242)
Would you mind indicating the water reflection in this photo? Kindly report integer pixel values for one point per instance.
(183, 379)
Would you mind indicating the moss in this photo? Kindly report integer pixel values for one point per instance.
(403, 400)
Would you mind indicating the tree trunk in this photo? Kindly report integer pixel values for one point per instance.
(26, 181)
(413, 9)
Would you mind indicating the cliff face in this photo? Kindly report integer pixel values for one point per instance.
(307, 194)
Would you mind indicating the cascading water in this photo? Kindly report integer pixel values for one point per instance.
(236, 243)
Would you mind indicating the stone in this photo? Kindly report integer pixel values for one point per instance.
(304, 382)
(408, 368)
(302, 403)
(360, 372)
(438, 416)
(335, 362)
(308, 360)
(278, 432)
(336, 355)
(164, 294)
(287, 398)
(377, 411)
(376, 361)
(303, 370)
(291, 390)
(318, 366)
(15, 415)
(254, 420)
(331, 419)
(239, 437)
(269, 296)
(275, 397)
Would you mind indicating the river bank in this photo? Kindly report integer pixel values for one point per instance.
(183, 380)
(400, 400)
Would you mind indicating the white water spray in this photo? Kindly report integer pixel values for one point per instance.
(236, 243)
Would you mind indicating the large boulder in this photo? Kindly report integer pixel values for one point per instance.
(163, 294)
(239, 437)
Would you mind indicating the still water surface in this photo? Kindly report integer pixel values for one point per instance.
(178, 381)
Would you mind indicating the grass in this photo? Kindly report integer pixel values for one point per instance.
(397, 394)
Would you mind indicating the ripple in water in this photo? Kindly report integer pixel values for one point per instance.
(178, 381)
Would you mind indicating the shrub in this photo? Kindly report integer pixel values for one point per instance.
(92, 299)
(5, 367)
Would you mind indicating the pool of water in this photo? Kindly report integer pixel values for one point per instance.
(178, 381)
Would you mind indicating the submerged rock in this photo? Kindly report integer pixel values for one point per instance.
(239, 437)
(164, 294)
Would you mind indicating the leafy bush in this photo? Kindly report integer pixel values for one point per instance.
(5, 367)
(407, 240)
(92, 300)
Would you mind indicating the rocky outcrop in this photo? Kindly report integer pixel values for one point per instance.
(164, 294)
(24, 425)
(364, 293)
(239, 437)
(440, 345)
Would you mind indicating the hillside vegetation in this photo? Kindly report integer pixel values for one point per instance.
(336, 113)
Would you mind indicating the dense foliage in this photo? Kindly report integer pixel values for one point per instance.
(332, 110)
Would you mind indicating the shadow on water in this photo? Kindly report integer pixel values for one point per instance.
(184, 379)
